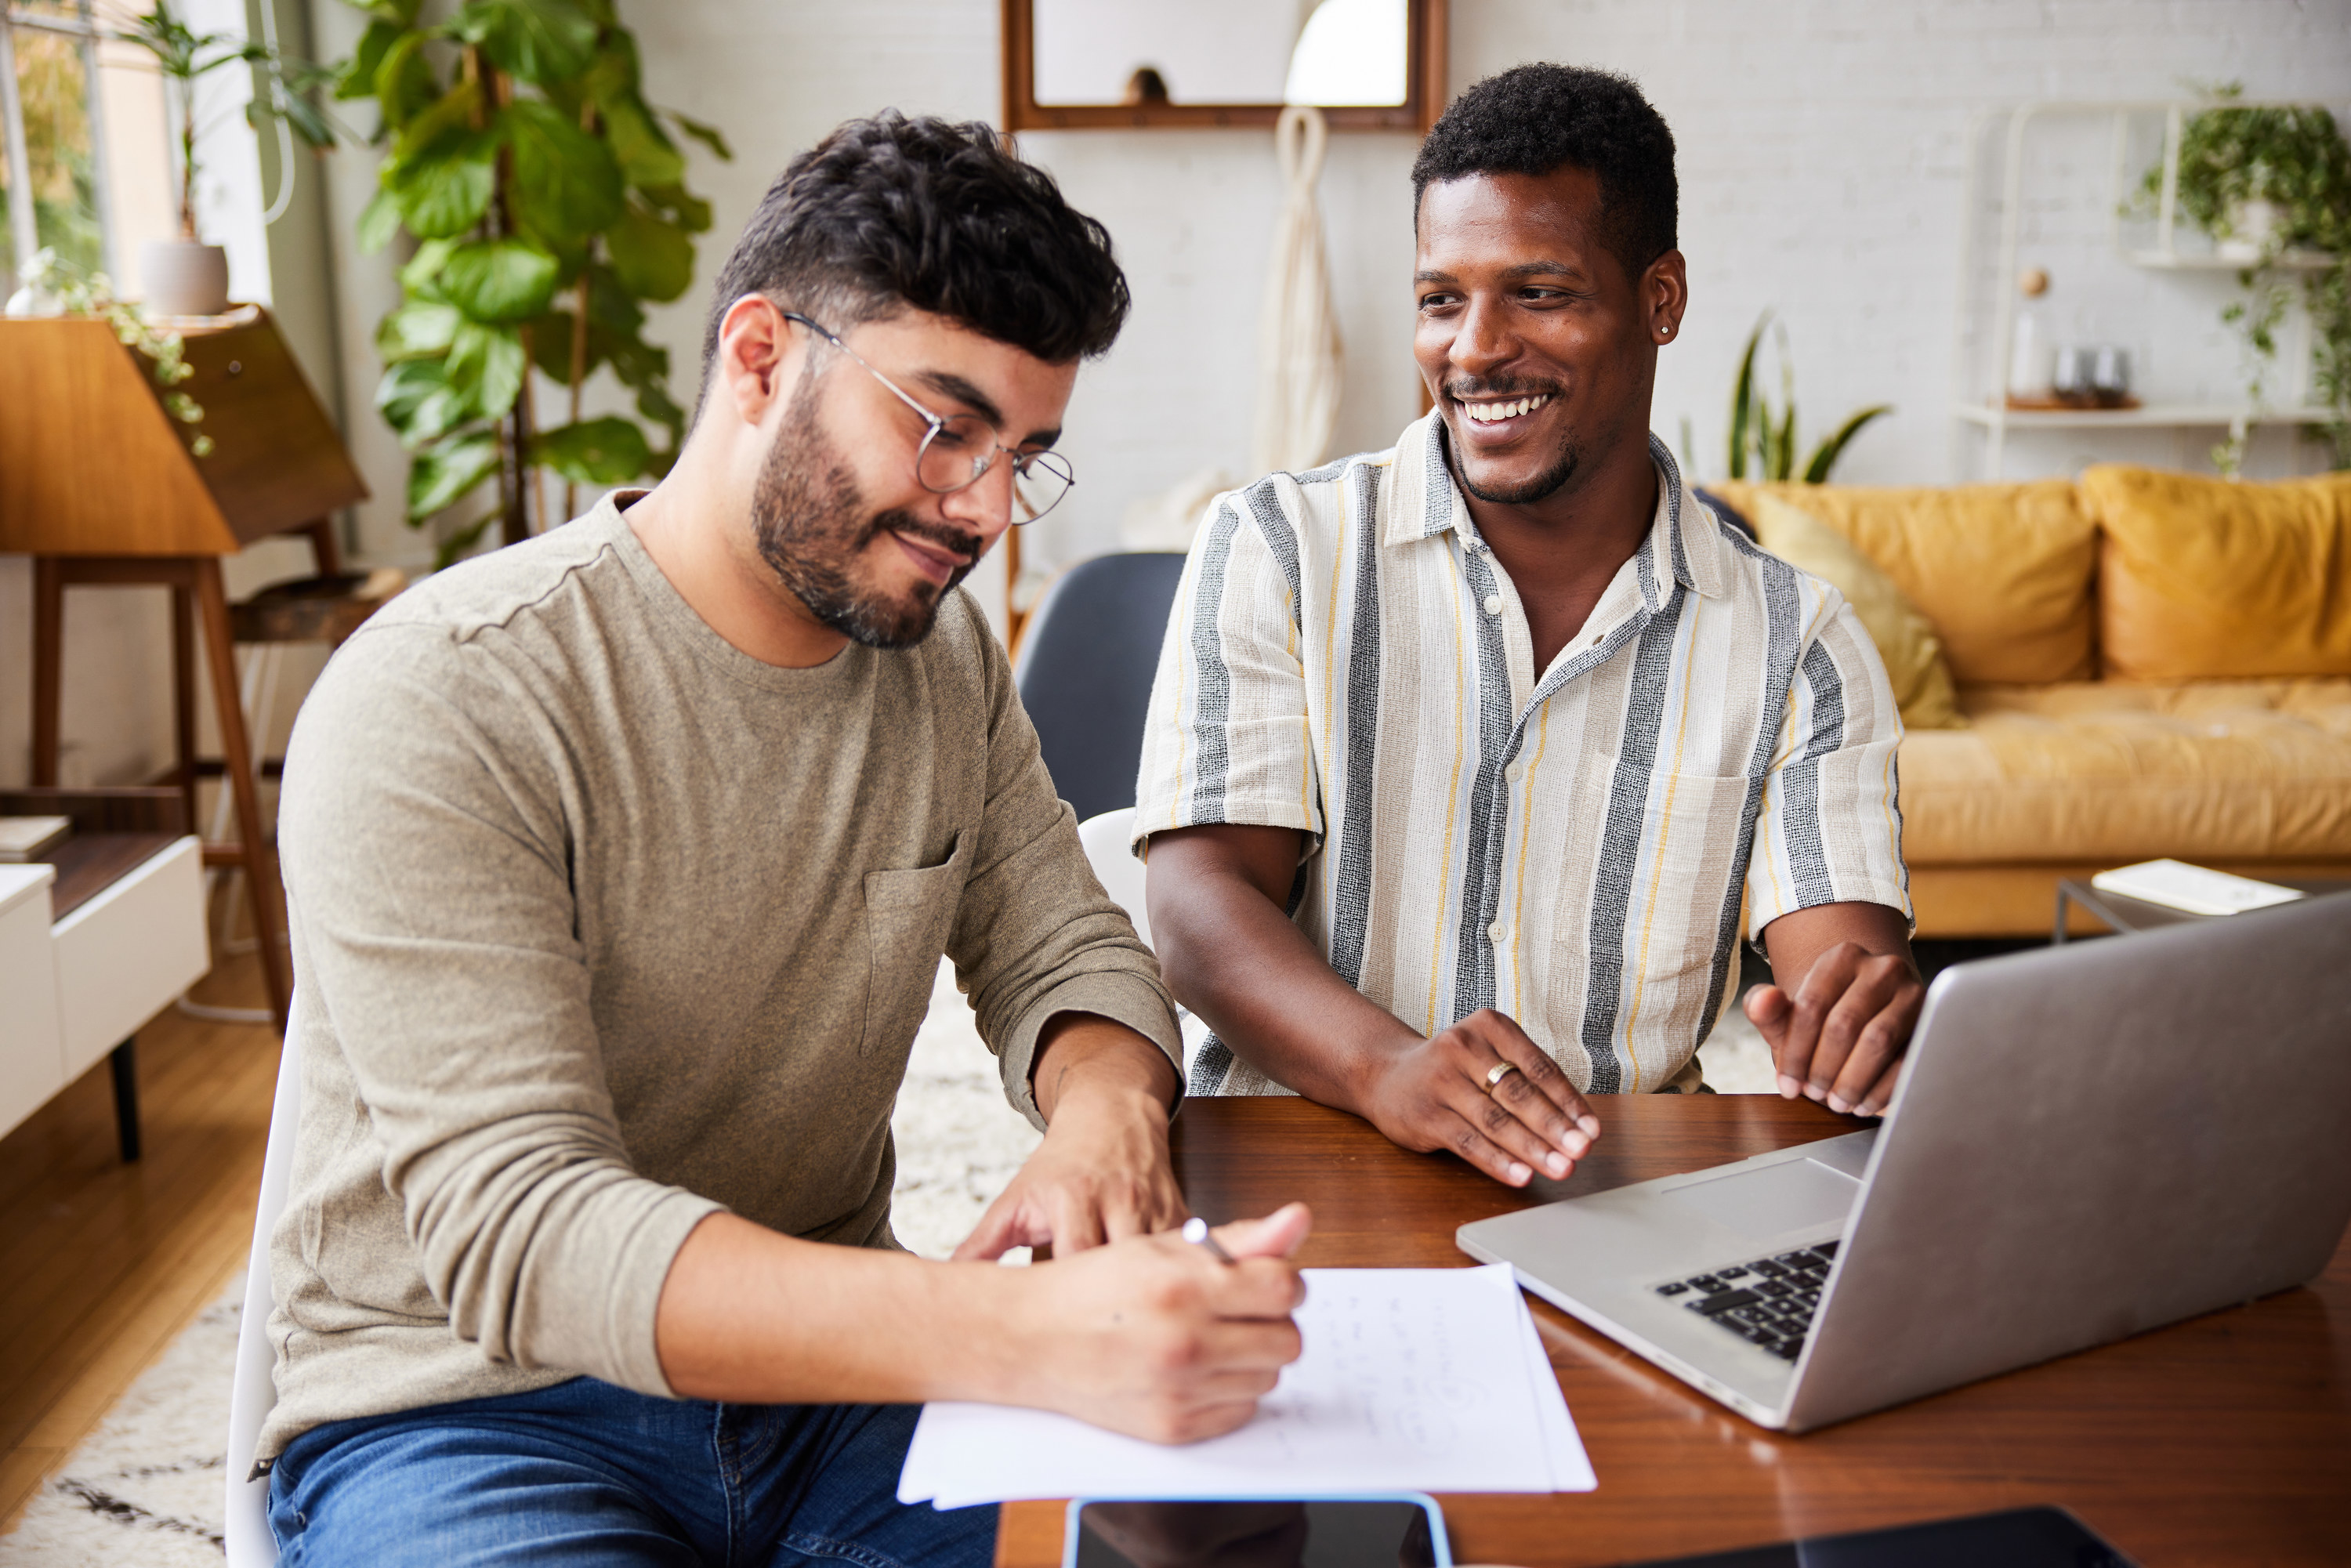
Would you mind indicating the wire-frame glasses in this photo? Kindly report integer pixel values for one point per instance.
(956, 453)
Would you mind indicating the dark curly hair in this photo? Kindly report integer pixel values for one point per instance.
(890, 212)
(1531, 120)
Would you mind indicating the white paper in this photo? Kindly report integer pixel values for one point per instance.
(1418, 1379)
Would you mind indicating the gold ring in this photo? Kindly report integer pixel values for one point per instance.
(1495, 1073)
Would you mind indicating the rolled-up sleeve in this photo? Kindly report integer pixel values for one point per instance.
(1829, 826)
(1228, 736)
(1034, 934)
(427, 871)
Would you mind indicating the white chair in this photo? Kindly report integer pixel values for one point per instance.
(249, 1542)
(1121, 874)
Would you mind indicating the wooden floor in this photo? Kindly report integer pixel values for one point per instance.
(105, 1263)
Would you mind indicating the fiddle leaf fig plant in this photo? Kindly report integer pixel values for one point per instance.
(546, 204)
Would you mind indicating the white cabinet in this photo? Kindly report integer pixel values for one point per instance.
(73, 990)
(125, 955)
(32, 1066)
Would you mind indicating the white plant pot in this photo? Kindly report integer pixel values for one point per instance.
(184, 277)
(2250, 224)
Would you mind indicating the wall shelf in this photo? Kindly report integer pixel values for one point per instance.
(1985, 337)
(2152, 416)
(2175, 261)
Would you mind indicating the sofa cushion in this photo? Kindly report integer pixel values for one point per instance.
(2002, 570)
(2119, 772)
(2203, 578)
(1906, 643)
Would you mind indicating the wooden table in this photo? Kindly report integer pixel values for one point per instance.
(2224, 1439)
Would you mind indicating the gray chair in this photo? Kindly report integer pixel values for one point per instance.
(1085, 668)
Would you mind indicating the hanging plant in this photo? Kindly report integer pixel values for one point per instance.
(2263, 182)
(547, 202)
(77, 293)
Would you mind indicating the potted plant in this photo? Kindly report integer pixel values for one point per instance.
(1771, 437)
(186, 276)
(2267, 183)
(546, 202)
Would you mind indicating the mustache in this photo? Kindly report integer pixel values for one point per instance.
(1499, 386)
(965, 546)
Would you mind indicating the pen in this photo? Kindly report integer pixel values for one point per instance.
(1195, 1232)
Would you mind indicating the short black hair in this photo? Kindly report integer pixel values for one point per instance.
(889, 212)
(1531, 120)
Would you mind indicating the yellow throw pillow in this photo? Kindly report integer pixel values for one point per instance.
(1905, 640)
(2207, 579)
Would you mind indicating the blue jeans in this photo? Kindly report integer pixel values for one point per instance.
(584, 1473)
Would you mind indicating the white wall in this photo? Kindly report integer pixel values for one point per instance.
(1822, 152)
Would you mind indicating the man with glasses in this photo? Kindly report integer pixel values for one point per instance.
(620, 863)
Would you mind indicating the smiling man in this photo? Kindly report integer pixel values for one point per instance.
(620, 863)
(1468, 758)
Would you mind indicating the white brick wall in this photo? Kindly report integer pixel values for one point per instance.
(1822, 152)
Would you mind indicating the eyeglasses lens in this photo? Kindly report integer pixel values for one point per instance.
(961, 451)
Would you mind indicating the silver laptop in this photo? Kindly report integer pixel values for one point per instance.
(2089, 1141)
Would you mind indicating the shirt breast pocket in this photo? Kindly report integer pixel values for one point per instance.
(908, 916)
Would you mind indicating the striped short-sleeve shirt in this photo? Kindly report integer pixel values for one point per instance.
(1573, 845)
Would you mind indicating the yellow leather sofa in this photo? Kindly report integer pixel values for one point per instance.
(2149, 663)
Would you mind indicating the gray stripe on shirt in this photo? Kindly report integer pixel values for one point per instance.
(1212, 706)
(1620, 841)
(1808, 862)
(1350, 892)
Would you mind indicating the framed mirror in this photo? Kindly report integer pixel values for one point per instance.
(1369, 65)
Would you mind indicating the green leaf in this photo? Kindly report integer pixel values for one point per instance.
(452, 548)
(355, 78)
(679, 205)
(405, 85)
(646, 156)
(551, 346)
(609, 451)
(420, 276)
(652, 260)
(441, 474)
(539, 41)
(567, 185)
(419, 328)
(709, 135)
(379, 221)
(1742, 403)
(610, 306)
(654, 402)
(486, 367)
(416, 399)
(499, 279)
(1825, 455)
(446, 194)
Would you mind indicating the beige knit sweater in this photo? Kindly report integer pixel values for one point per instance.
(601, 924)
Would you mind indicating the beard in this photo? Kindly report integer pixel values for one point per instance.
(1544, 484)
(812, 529)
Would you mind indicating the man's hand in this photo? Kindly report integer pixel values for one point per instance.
(1155, 1337)
(1838, 1033)
(1435, 1095)
(1103, 1172)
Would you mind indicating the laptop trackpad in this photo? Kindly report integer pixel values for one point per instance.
(1790, 1196)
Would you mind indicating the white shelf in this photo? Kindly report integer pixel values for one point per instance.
(2173, 261)
(2152, 414)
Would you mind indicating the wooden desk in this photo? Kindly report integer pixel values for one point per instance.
(2224, 1439)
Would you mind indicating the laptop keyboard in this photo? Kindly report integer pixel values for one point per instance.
(1769, 1302)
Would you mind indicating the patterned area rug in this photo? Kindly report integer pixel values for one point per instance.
(146, 1487)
